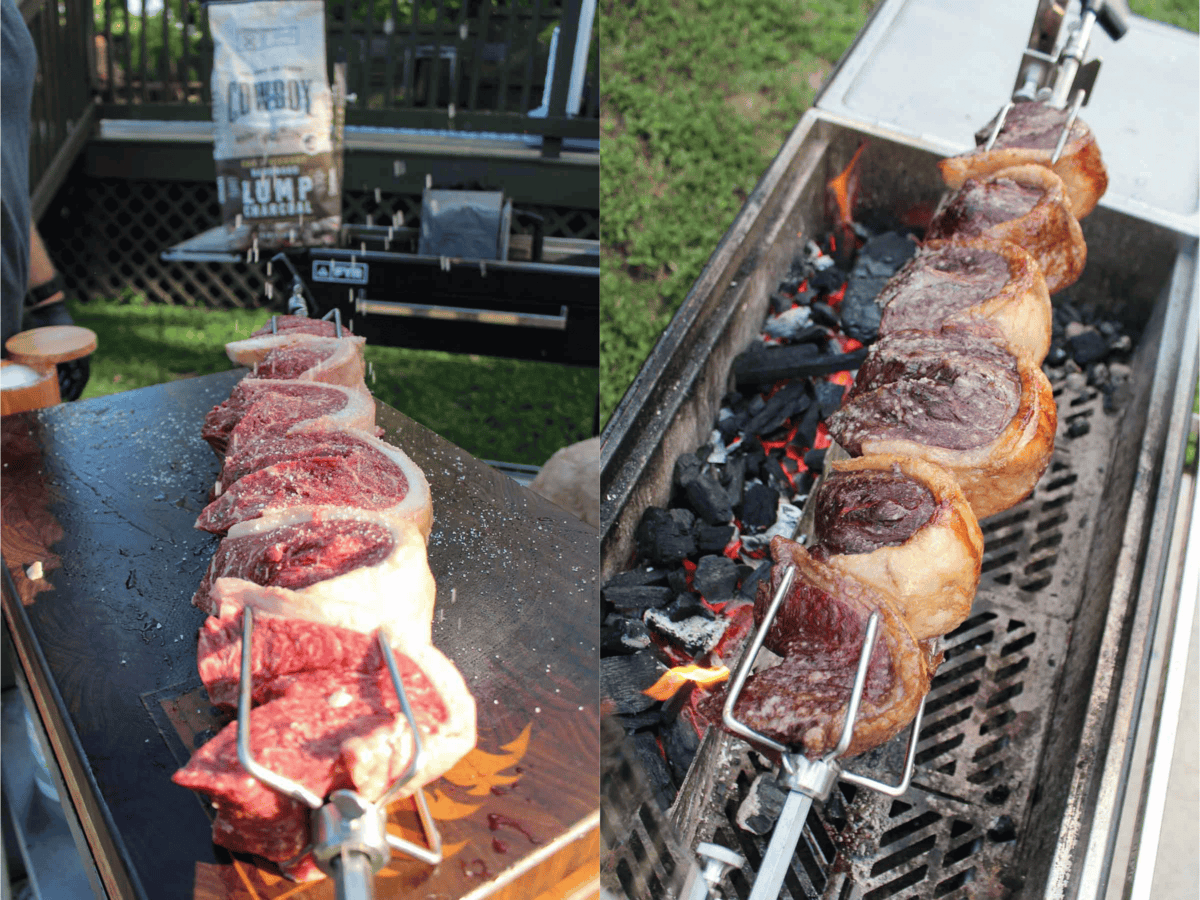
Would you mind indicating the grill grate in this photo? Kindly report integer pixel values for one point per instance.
(954, 834)
(107, 235)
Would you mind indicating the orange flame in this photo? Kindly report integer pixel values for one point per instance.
(843, 187)
(673, 679)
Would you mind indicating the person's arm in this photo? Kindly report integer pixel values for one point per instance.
(44, 281)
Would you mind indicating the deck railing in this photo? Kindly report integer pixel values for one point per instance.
(506, 66)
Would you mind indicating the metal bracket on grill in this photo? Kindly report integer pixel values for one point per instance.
(1057, 78)
(804, 778)
(350, 837)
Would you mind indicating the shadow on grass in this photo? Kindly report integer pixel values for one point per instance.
(500, 409)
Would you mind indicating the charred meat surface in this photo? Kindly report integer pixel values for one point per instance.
(1029, 134)
(1025, 204)
(971, 279)
(904, 527)
(953, 389)
(857, 512)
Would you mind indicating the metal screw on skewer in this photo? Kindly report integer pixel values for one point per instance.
(350, 837)
(806, 779)
(716, 860)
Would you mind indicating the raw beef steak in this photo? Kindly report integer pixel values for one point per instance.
(263, 407)
(338, 566)
(328, 718)
(328, 468)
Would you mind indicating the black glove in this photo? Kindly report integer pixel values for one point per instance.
(72, 375)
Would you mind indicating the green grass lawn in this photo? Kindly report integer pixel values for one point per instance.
(697, 98)
(507, 410)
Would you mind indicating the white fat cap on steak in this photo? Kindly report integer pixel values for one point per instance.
(397, 594)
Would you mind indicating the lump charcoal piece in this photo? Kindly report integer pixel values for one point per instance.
(780, 303)
(622, 635)
(372, 475)
(794, 361)
(861, 315)
(890, 251)
(677, 581)
(806, 428)
(709, 500)
(715, 578)
(790, 400)
(687, 469)
(654, 767)
(749, 588)
(776, 474)
(759, 506)
(829, 397)
(734, 479)
(639, 576)
(661, 540)
(827, 280)
(794, 325)
(638, 596)
(695, 635)
(687, 605)
(824, 314)
(345, 567)
(1087, 346)
(815, 460)
(762, 806)
(714, 538)
(680, 743)
(624, 678)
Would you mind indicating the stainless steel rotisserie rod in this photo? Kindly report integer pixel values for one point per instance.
(808, 780)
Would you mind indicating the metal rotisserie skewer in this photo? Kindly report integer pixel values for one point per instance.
(350, 840)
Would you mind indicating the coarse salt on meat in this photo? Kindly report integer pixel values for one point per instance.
(336, 565)
(321, 468)
(258, 408)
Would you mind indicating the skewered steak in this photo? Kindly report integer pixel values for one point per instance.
(329, 718)
(972, 278)
(819, 632)
(322, 468)
(259, 408)
(337, 566)
(958, 399)
(1023, 204)
(329, 360)
(902, 526)
(299, 325)
(1029, 135)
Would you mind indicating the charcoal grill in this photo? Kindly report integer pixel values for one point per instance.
(1025, 765)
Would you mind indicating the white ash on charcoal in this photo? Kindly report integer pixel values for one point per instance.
(762, 806)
